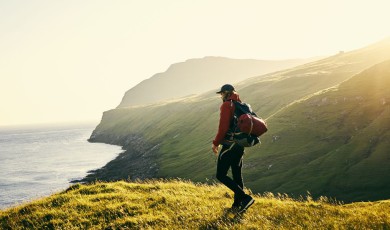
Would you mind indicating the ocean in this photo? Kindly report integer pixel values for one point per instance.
(36, 162)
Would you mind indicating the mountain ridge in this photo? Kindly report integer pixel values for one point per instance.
(195, 76)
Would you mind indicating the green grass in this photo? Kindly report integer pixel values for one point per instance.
(177, 204)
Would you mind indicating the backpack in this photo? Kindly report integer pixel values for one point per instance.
(248, 121)
(247, 127)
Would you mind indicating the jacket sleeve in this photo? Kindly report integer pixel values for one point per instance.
(224, 123)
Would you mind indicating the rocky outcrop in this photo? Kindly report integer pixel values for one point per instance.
(137, 162)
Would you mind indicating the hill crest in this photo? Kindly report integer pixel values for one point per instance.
(178, 204)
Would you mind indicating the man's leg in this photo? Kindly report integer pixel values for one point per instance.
(236, 172)
(237, 165)
(224, 163)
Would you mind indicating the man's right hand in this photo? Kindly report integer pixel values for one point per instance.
(215, 149)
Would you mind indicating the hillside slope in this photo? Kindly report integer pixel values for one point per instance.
(173, 139)
(335, 143)
(196, 76)
(183, 205)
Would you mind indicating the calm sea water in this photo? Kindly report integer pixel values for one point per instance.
(36, 162)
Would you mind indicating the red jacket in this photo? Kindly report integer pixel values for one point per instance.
(226, 117)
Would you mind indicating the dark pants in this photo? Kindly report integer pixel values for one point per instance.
(230, 156)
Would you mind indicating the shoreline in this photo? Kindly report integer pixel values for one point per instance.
(37, 163)
(137, 162)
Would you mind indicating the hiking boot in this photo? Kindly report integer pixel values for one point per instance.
(236, 205)
(246, 203)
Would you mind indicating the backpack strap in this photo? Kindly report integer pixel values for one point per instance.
(233, 125)
(231, 146)
(250, 131)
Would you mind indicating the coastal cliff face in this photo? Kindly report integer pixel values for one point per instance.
(317, 140)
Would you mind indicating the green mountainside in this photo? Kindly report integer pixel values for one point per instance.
(334, 143)
(184, 205)
(325, 137)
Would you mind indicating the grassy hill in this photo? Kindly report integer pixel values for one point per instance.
(334, 143)
(298, 154)
(184, 205)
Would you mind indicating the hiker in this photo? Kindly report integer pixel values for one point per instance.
(230, 156)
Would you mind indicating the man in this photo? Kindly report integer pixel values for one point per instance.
(231, 153)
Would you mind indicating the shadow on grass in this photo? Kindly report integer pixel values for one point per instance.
(227, 220)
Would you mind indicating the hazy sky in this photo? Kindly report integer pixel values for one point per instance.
(70, 60)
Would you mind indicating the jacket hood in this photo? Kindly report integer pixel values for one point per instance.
(234, 97)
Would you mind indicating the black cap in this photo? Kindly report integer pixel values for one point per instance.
(226, 87)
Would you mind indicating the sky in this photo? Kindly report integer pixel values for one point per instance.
(68, 61)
